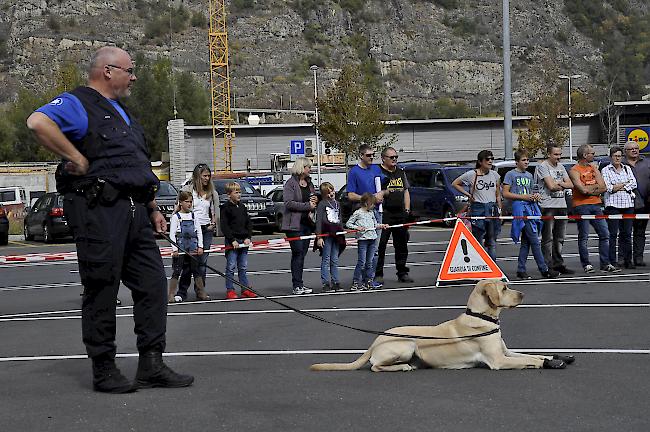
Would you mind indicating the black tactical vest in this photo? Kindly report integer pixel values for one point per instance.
(116, 152)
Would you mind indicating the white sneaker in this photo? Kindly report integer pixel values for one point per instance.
(178, 299)
(589, 268)
(306, 290)
(298, 291)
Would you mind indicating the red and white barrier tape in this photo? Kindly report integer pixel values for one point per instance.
(282, 242)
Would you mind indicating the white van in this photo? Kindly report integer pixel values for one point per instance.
(13, 195)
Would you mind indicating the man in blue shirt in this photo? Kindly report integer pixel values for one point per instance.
(109, 192)
(364, 177)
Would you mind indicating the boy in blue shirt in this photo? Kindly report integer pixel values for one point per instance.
(518, 187)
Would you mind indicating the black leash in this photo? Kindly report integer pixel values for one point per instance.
(319, 318)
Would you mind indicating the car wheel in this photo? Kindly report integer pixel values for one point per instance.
(4, 239)
(449, 213)
(28, 235)
(47, 235)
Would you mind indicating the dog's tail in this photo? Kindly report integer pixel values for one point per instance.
(343, 366)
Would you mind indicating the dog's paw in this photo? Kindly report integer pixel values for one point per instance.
(553, 364)
(568, 359)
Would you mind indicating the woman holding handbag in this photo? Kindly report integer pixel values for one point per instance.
(482, 187)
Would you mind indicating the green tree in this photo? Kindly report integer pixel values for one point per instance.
(543, 128)
(152, 101)
(350, 115)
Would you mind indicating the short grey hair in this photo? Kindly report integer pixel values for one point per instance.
(299, 166)
(582, 151)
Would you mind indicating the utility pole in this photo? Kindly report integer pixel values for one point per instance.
(569, 78)
(507, 97)
(314, 68)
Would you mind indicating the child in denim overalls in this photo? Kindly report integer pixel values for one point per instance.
(185, 231)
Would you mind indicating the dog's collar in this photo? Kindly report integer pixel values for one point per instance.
(469, 312)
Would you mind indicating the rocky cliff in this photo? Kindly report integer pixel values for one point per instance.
(418, 50)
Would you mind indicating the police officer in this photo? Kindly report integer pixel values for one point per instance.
(109, 192)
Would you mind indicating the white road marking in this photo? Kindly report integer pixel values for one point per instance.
(315, 352)
(333, 309)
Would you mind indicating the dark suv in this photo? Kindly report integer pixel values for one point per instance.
(46, 219)
(432, 195)
(260, 209)
(166, 197)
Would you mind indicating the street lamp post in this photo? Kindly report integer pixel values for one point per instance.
(314, 68)
(569, 78)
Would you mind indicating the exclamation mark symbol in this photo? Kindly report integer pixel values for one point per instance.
(463, 244)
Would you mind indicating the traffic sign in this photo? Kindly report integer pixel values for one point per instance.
(465, 258)
(297, 147)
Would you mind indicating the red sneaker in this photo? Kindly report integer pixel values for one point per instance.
(231, 295)
(248, 293)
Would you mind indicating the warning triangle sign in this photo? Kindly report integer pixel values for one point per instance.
(465, 258)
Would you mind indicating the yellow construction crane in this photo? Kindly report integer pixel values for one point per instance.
(222, 136)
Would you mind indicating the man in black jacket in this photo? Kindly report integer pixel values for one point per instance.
(396, 208)
(109, 192)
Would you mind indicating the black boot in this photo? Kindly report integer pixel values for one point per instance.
(152, 372)
(107, 378)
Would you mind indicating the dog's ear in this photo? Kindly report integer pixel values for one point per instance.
(492, 291)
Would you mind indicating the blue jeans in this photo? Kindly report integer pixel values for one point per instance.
(621, 230)
(600, 226)
(379, 216)
(236, 259)
(299, 249)
(530, 240)
(364, 272)
(329, 265)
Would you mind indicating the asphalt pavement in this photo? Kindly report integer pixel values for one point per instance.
(251, 357)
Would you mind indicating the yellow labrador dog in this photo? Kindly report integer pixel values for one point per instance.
(452, 351)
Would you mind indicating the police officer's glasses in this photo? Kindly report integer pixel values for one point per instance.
(130, 70)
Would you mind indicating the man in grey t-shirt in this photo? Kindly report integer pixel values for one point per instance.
(552, 179)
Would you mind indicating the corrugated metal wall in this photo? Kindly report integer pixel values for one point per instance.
(436, 141)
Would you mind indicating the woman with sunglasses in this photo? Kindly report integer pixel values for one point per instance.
(482, 187)
(206, 208)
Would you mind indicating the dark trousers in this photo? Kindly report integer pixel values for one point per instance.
(116, 243)
(299, 249)
(620, 233)
(638, 237)
(185, 264)
(400, 243)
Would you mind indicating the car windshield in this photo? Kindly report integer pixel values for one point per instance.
(246, 188)
(453, 173)
(166, 189)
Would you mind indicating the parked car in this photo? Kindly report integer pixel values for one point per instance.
(4, 227)
(260, 208)
(276, 195)
(166, 196)
(46, 219)
(432, 195)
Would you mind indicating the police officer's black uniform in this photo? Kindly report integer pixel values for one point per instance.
(106, 210)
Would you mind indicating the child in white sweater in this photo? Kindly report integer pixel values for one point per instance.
(364, 221)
